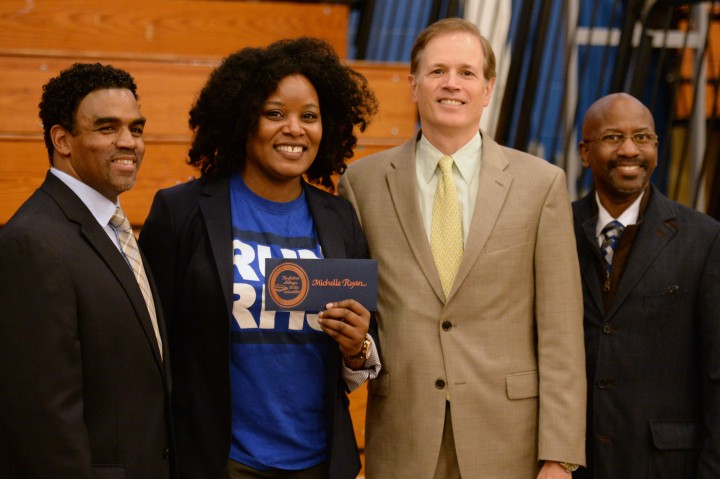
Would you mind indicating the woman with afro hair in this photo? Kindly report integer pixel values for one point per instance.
(257, 393)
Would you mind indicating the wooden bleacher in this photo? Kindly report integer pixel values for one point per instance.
(686, 89)
(170, 47)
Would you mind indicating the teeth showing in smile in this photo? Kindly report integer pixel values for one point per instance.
(628, 168)
(125, 162)
(290, 149)
(451, 102)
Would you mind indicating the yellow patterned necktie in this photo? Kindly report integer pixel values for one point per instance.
(446, 238)
(131, 252)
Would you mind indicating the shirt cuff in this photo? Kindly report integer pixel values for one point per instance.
(355, 377)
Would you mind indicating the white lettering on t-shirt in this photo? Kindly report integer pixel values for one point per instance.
(245, 295)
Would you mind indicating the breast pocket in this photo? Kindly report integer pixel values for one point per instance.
(506, 238)
(666, 305)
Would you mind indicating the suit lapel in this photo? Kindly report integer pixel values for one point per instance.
(656, 230)
(326, 223)
(97, 238)
(492, 191)
(588, 249)
(402, 184)
(330, 236)
(216, 210)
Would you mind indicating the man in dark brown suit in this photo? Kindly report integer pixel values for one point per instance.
(652, 309)
(83, 368)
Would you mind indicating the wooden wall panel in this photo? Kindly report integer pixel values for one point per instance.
(687, 71)
(163, 28)
(39, 39)
(168, 89)
(24, 163)
(358, 403)
(22, 168)
(396, 121)
(685, 95)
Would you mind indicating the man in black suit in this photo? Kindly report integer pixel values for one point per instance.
(651, 285)
(83, 369)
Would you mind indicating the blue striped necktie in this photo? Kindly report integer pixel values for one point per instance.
(611, 234)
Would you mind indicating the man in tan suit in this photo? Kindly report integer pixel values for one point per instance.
(483, 375)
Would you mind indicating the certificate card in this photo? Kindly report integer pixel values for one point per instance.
(309, 284)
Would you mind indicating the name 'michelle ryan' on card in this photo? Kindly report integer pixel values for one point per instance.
(309, 284)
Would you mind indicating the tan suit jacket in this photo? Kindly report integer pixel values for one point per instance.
(507, 345)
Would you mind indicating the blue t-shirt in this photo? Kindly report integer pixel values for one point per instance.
(279, 359)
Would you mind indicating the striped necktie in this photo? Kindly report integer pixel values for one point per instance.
(611, 234)
(446, 239)
(131, 252)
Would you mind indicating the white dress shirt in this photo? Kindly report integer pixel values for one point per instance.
(628, 217)
(101, 208)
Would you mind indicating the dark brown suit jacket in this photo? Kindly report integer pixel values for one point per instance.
(84, 390)
(653, 356)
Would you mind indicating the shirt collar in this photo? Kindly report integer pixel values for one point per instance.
(466, 158)
(628, 217)
(101, 208)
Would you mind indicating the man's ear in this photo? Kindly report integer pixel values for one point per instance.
(412, 82)
(61, 139)
(489, 85)
(583, 149)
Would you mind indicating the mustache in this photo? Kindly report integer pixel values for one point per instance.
(616, 163)
(121, 152)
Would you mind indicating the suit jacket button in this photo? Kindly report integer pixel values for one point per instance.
(446, 325)
(674, 289)
(608, 328)
(166, 453)
(440, 384)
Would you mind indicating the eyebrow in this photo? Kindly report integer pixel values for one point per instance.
(279, 103)
(619, 130)
(112, 119)
(466, 66)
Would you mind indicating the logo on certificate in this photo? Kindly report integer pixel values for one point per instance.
(288, 285)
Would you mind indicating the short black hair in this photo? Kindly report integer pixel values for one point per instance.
(62, 94)
(227, 111)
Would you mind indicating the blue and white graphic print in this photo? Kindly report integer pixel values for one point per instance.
(279, 359)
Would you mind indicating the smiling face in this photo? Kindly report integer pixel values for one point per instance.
(450, 89)
(620, 172)
(286, 141)
(106, 150)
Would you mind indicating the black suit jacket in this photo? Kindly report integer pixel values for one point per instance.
(188, 241)
(84, 391)
(653, 360)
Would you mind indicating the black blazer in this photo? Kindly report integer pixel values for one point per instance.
(84, 391)
(188, 241)
(653, 360)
